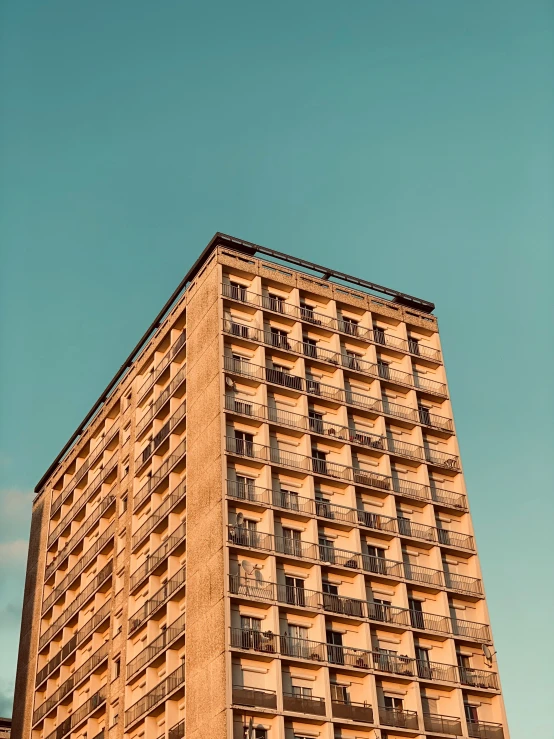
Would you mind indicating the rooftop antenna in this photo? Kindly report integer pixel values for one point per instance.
(247, 566)
(229, 382)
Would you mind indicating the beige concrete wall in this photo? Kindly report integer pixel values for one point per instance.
(206, 697)
(30, 620)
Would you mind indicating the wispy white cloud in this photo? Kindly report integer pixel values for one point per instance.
(15, 514)
(13, 553)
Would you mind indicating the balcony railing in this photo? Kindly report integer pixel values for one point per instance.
(485, 730)
(344, 433)
(158, 404)
(303, 704)
(351, 328)
(398, 717)
(75, 605)
(156, 646)
(160, 513)
(241, 536)
(162, 365)
(159, 475)
(177, 731)
(254, 697)
(83, 562)
(170, 684)
(442, 724)
(72, 682)
(159, 555)
(69, 724)
(323, 354)
(174, 584)
(89, 462)
(338, 395)
(478, 678)
(361, 712)
(168, 428)
(83, 530)
(76, 640)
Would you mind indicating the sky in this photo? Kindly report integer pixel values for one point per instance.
(406, 142)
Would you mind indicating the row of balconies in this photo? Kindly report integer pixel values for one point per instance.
(168, 505)
(158, 600)
(84, 561)
(163, 641)
(84, 711)
(159, 403)
(154, 480)
(159, 367)
(89, 462)
(377, 406)
(94, 622)
(165, 689)
(344, 515)
(100, 580)
(290, 647)
(72, 682)
(365, 563)
(312, 351)
(101, 509)
(84, 496)
(336, 432)
(170, 426)
(153, 560)
(322, 467)
(348, 326)
(363, 713)
(380, 613)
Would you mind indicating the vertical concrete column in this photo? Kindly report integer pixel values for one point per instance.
(30, 619)
(205, 672)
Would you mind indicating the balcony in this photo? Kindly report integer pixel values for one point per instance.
(350, 328)
(343, 433)
(398, 718)
(156, 646)
(153, 481)
(484, 730)
(161, 512)
(161, 691)
(81, 713)
(176, 732)
(174, 584)
(303, 704)
(254, 697)
(442, 724)
(169, 427)
(315, 351)
(338, 395)
(361, 712)
(154, 560)
(161, 366)
(478, 678)
(159, 403)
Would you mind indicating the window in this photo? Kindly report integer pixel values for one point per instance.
(352, 360)
(350, 326)
(276, 303)
(339, 693)
(326, 549)
(251, 632)
(238, 291)
(244, 443)
(381, 609)
(287, 499)
(392, 703)
(416, 613)
(424, 415)
(251, 732)
(124, 503)
(244, 488)
(413, 345)
(378, 335)
(240, 364)
(315, 421)
(291, 542)
(307, 313)
(376, 561)
(310, 347)
(117, 667)
(294, 591)
(301, 692)
(278, 338)
(335, 651)
(319, 463)
(384, 369)
(471, 713)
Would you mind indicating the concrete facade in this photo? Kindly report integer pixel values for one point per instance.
(262, 531)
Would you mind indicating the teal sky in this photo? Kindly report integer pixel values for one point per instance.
(406, 142)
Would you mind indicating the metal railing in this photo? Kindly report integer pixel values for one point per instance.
(158, 404)
(84, 497)
(83, 562)
(103, 506)
(159, 555)
(169, 685)
(163, 510)
(362, 712)
(69, 724)
(351, 328)
(485, 730)
(478, 678)
(76, 640)
(72, 682)
(442, 724)
(75, 605)
(156, 646)
(254, 697)
(147, 609)
(304, 704)
(398, 717)
(89, 462)
(159, 475)
(162, 365)
(177, 731)
(169, 427)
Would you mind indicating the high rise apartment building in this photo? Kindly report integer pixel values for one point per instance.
(261, 529)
